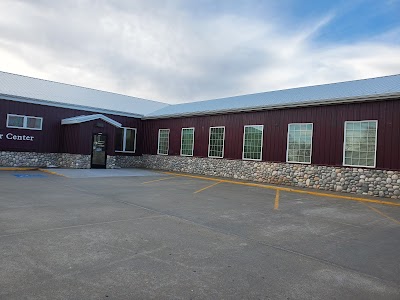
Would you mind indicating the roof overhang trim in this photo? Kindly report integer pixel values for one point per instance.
(68, 106)
(82, 119)
(280, 106)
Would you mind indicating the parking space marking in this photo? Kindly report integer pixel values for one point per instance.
(159, 179)
(207, 187)
(276, 204)
(18, 169)
(290, 190)
(51, 172)
(382, 214)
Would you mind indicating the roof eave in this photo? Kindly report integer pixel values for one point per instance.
(68, 105)
(83, 119)
(280, 106)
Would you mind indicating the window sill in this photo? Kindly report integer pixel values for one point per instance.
(252, 159)
(131, 152)
(355, 166)
(298, 162)
(13, 127)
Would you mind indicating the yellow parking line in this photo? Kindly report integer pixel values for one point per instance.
(207, 187)
(291, 190)
(170, 177)
(51, 172)
(18, 169)
(276, 205)
(382, 214)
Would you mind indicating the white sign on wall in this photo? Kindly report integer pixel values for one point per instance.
(15, 137)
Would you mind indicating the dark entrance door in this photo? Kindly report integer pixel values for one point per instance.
(99, 147)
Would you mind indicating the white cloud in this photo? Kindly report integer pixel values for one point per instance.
(162, 50)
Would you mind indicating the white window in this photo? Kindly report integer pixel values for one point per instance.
(360, 140)
(24, 122)
(299, 143)
(216, 142)
(187, 141)
(253, 142)
(163, 141)
(125, 140)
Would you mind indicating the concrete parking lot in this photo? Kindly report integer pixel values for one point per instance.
(166, 236)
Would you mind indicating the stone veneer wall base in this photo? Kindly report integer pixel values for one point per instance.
(40, 160)
(63, 160)
(362, 181)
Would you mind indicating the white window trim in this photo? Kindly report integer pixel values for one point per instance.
(209, 142)
(376, 144)
(287, 144)
(158, 144)
(25, 124)
(262, 143)
(182, 141)
(124, 141)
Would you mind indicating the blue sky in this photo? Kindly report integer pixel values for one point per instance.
(186, 50)
(351, 20)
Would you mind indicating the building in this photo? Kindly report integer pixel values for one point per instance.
(343, 136)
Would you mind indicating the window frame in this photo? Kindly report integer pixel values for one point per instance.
(182, 141)
(158, 141)
(124, 141)
(262, 143)
(312, 142)
(375, 149)
(25, 122)
(209, 142)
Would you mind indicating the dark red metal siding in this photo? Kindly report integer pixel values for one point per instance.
(56, 138)
(77, 138)
(328, 132)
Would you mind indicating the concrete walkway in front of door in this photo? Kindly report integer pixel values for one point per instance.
(89, 173)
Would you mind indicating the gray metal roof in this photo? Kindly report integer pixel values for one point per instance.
(18, 87)
(380, 87)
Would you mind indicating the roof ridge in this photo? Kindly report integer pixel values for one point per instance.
(82, 87)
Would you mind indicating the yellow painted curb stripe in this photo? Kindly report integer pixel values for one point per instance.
(276, 204)
(207, 187)
(383, 214)
(159, 179)
(51, 172)
(291, 190)
(18, 169)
